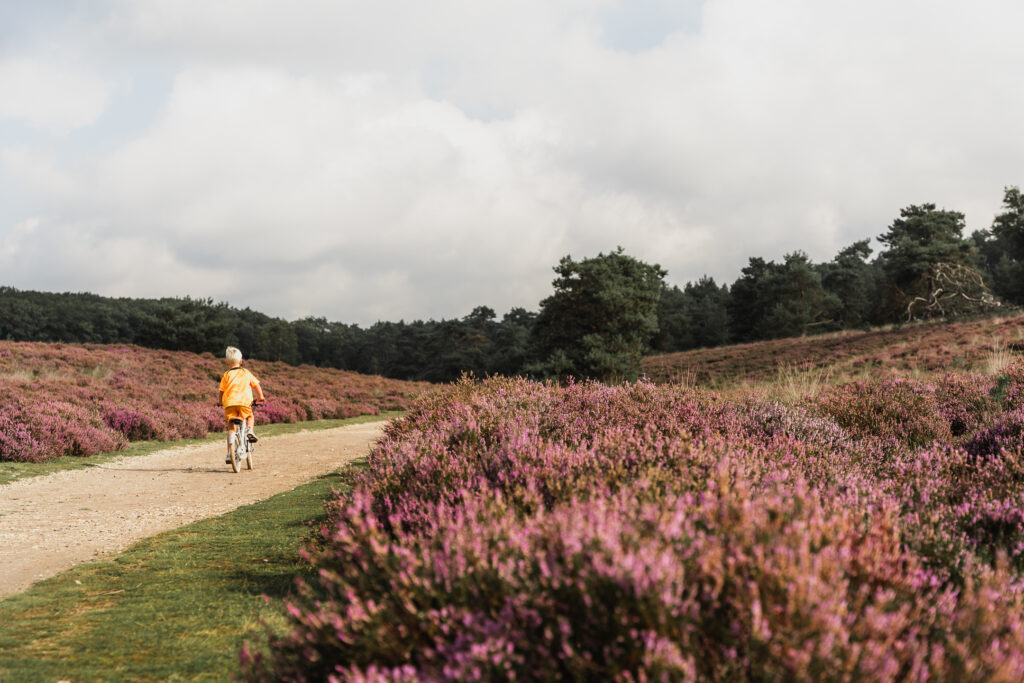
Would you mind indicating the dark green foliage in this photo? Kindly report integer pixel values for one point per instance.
(854, 281)
(1007, 277)
(797, 302)
(512, 342)
(439, 351)
(600, 320)
(748, 300)
(787, 299)
(432, 350)
(179, 324)
(1009, 225)
(1001, 249)
(675, 328)
(709, 312)
(694, 317)
(922, 238)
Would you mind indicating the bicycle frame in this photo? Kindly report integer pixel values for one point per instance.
(239, 447)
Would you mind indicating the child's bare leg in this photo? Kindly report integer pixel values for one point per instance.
(251, 423)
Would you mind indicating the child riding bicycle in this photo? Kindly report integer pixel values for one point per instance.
(236, 393)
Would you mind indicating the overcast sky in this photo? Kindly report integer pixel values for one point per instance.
(387, 159)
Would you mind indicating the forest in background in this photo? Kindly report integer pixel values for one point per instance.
(604, 315)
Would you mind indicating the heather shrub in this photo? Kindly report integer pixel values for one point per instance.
(536, 444)
(965, 401)
(68, 429)
(318, 409)
(960, 511)
(131, 423)
(17, 443)
(394, 403)
(85, 399)
(342, 412)
(1007, 433)
(213, 416)
(273, 411)
(510, 529)
(179, 421)
(766, 420)
(365, 409)
(901, 410)
(1009, 390)
(678, 586)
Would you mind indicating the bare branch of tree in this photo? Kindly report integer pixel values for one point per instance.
(952, 288)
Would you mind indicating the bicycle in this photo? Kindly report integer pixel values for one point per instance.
(239, 446)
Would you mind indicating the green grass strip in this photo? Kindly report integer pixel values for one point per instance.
(12, 471)
(174, 607)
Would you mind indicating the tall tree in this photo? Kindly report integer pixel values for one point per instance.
(1001, 249)
(695, 316)
(920, 245)
(796, 302)
(1008, 226)
(708, 309)
(277, 341)
(748, 301)
(512, 342)
(600, 320)
(675, 329)
(854, 281)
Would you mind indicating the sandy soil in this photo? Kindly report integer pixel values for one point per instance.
(51, 523)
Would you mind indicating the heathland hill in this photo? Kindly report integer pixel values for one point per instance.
(908, 350)
(71, 399)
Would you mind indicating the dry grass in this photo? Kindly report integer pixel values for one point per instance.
(792, 384)
(686, 378)
(21, 373)
(921, 349)
(998, 360)
(17, 375)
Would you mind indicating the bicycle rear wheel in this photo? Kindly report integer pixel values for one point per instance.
(237, 452)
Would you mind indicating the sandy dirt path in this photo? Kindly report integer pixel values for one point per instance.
(51, 523)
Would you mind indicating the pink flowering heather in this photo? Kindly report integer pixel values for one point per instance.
(1010, 387)
(901, 410)
(966, 402)
(58, 399)
(512, 530)
(16, 440)
(1005, 434)
(131, 423)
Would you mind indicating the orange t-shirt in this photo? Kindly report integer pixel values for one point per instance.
(237, 385)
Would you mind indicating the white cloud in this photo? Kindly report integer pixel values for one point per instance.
(55, 97)
(397, 160)
(13, 240)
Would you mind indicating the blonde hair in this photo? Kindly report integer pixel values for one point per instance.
(232, 353)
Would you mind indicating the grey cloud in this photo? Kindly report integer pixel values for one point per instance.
(403, 160)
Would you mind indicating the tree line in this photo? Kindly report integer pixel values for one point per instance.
(928, 268)
(432, 350)
(604, 314)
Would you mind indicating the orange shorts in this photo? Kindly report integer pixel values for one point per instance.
(237, 413)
